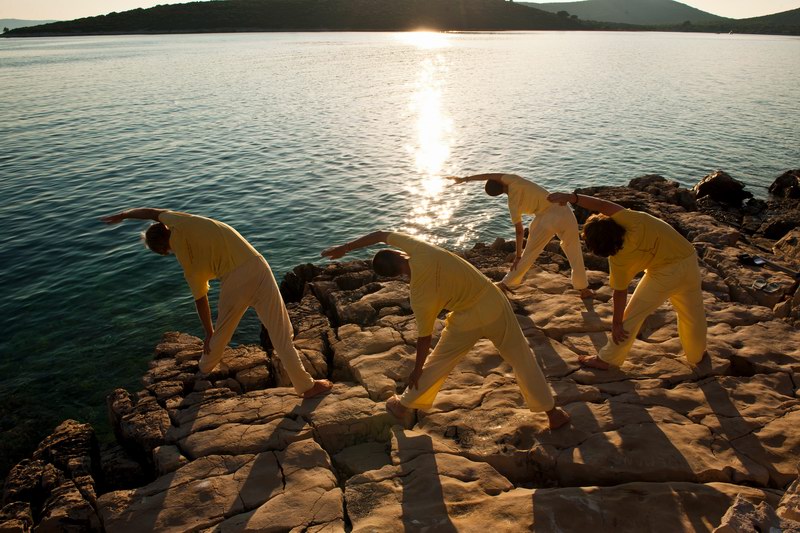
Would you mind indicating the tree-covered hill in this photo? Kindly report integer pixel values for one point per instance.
(286, 15)
(645, 12)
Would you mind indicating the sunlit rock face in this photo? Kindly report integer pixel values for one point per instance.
(705, 447)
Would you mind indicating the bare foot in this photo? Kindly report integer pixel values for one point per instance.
(587, 293)
(404, 415)
(321, 386)
(557, 417)
(592, 361)
(395, 408)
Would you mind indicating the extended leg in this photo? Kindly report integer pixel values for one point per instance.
(539, 234)
(648, 296)
(272, 312)
(452, 346)
(688, 304)
(571, 244)
(234, 299)
(507, 336)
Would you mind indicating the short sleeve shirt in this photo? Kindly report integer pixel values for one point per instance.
(650, 243)
(524, 197)
(439, 280)
(206, 249)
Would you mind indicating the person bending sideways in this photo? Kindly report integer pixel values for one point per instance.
(208, 249)
(634, 242)
(478, 309)
(528, 198)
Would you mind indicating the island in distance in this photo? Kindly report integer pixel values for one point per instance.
(401, 15)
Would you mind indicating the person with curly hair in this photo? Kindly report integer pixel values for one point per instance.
(636, 242)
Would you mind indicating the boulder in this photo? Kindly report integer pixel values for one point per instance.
(788, 247)
(787, 185)
(16, 517)
(722, 188)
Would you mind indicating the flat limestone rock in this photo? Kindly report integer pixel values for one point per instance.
(287, 489)
(429, 489)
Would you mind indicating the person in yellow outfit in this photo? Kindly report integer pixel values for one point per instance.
(637, 242)
(208, 249)
(478, 309)
(528, 198)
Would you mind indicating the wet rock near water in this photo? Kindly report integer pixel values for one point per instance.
(701, 448)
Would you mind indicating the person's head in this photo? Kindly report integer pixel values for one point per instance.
(494, 187)
(390, 263)
(603, 236)
(156, 238)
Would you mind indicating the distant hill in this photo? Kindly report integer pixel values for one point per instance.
(785, 18)
(644, 12)
(785, 23)
(19, 23)
(293, 15)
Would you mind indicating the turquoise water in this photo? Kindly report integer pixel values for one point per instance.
(301, 141)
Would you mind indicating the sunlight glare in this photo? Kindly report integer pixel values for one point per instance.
(425, 40)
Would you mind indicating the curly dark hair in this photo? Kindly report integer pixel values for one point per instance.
(603, 236)
(494, 187)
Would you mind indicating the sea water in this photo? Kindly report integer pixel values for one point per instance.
(306, 140)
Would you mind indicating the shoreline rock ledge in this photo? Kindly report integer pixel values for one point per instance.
(655, 446)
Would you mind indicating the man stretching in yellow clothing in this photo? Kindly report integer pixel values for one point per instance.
(634, 242)
(478, 309)
(208, 249)
(528, 198)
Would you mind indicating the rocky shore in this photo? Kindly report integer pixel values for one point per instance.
(655, 446)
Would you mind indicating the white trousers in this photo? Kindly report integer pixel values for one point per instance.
(556, 220)
(491, 318)
(253, 285)
(681, 284)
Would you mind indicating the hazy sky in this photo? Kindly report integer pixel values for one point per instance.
(70, 9)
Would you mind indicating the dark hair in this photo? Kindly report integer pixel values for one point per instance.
(156, 237)
(387, 263)
(494, 187)
(603, 236)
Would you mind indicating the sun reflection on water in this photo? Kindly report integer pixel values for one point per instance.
(433, 206)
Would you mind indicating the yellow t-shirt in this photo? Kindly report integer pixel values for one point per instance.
(439, 280)
(524, 197)
(650, 243)
(205, 248)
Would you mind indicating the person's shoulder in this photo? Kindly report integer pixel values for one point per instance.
(171, 218)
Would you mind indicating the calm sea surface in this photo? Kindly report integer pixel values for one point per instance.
(301, 141)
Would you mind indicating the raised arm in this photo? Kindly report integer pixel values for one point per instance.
(335, 252)
(142, 213)
(587, 202)
(478, 177)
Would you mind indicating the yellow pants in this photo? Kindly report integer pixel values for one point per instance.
(680, 282)
(253, 285)
(556, 220)
(491, 318)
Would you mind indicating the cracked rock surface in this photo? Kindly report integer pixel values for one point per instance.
(655, 446)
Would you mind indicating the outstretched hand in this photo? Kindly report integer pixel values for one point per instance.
(113, 219)
(456, 179)
(334, 252)
(559, 198)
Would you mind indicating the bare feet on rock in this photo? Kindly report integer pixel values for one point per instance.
(403, 414)
(557, 417)
(592, 361)
(587, 293)
(321, 386)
